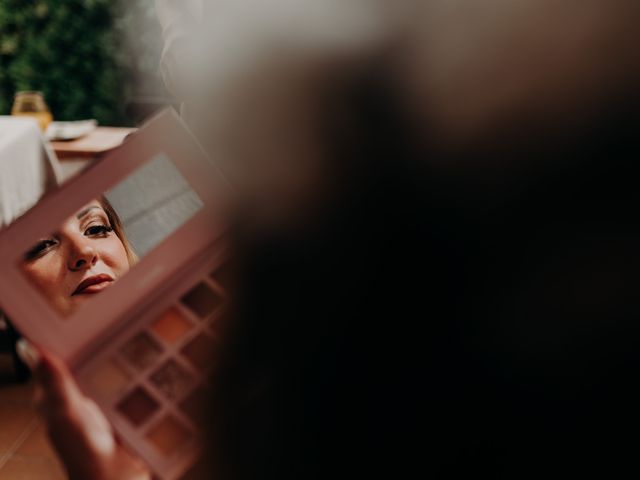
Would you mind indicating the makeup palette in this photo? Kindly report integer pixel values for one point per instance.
(144, 348)
(154, 378)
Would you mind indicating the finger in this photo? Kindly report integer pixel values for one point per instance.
(66, 405)
(96, 429)
(59, 390)
(31, 357)
(28, 353)
(56, 394)
(50, 373)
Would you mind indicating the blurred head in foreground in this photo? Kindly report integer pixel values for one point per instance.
(440, 272)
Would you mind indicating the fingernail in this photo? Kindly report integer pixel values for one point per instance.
(98, 429)
(103, 442)
(28, 353)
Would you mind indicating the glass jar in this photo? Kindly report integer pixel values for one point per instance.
(32, 104)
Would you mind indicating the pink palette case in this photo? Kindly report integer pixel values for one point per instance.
(142, 348)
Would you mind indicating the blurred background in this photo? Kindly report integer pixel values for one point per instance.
(111, 76)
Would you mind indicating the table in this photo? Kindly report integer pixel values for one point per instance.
(75, 155)
(98, 142)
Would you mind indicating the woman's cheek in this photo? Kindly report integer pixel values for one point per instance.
(115, 256)
(43, 274)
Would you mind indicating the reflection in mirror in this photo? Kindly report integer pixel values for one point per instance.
(104, 238)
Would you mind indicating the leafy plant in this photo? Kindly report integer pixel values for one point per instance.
(66, 49)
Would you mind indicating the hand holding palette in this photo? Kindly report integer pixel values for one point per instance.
(115, 272)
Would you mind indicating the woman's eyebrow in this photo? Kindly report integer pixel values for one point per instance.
(82, 213)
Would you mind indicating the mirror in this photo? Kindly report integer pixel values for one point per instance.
(107, 236)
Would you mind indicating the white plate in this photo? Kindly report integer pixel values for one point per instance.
(70, 130)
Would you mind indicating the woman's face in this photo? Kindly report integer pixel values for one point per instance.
(83, 257)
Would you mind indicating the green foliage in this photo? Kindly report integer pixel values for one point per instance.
(67, 49)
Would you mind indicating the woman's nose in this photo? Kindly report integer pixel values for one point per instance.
(82, 256)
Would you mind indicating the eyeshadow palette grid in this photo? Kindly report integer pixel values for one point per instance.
(152, 383)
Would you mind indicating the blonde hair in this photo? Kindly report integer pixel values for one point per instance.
(116, 225)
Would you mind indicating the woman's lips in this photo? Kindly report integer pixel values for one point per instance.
(93, 284)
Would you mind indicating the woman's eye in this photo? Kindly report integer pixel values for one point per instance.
(98, 230)
(39, 248)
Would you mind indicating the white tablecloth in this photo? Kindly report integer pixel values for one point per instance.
(28, 167)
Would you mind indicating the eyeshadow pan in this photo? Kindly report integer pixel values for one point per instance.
(138, 406)
(141, 351)
(172, 380)
(202, 300)
(200, 351)
(168, 435)
(109, 379)
(171, 326)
